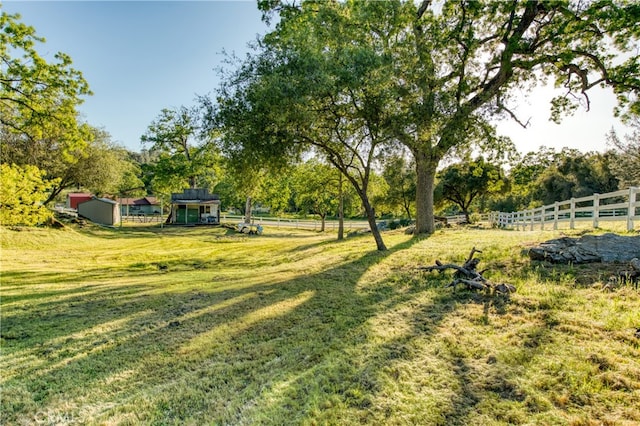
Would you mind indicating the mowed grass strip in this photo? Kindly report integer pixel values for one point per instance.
(201, 326)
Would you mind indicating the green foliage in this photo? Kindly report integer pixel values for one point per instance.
(432, 75)
(101, 166)
(230, 198)
(546, 176)
(314, 86)
(276, 191)
(23, 191)
(400, 177)
(463, 183)
(104, 168)
(38, 98)
(131, 183)
(575, 175)
(626, 164)
(317, 188)
(182, 154)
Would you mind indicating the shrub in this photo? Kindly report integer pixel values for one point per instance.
(22, 193)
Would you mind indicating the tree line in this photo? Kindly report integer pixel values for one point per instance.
(388, 104)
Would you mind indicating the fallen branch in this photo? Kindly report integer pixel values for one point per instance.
(467, 275)
(461, 270)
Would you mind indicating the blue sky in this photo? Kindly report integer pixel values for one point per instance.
(140, 57)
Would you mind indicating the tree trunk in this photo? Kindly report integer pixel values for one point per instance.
(426, 174)
(371, 218)
(57, 189)
(340, 210)
(407, 208)
(53, 194)
(322, 217)
(247, 211)
(467, 217)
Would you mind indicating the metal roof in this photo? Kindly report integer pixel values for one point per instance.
(195, 201)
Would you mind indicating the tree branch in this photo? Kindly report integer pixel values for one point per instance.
(423, 8)
(503, 107)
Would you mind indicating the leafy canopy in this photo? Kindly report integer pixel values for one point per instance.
(182, 154)
(23, 191)
(433, 75)
(37, 97)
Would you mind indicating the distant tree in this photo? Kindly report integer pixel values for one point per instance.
(523, 176)
(131, 182)
(463, 183)
(248, 177)
(276, 191)
(100, 166)
(532, 166)
(101, 169)
(400, 176)
(626, 166)
(229, 197)
(575, 174)
(317, 189)
(23, 191)
(182, 154)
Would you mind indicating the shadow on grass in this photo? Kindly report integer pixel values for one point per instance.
(296, 351)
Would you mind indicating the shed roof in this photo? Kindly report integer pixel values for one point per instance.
(104, 200)
(144, 201)
(194, 194)
(195, 201)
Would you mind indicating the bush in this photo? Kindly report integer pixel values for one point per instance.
(22, 192)
(399, 223)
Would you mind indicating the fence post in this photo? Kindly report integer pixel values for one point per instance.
(631, 210)
(543, 212)
(596, 209)
(556, 208)
(533, 218)
(572, 214)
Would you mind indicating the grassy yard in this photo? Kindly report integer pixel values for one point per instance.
(199, 326)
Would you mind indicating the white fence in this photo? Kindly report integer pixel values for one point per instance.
(619, 206)
(315, 224)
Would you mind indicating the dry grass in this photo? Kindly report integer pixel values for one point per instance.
(200, 326)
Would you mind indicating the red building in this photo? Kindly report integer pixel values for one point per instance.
(74, 198)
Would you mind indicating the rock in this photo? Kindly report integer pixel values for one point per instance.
(589, 248)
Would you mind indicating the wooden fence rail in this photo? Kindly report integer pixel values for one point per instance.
(614, 206)
(315, 224)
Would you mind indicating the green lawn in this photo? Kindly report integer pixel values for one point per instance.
(200, 326)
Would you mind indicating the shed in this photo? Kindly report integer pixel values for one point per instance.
(138, 206)
(100, 210)
(74, 198)
(195, 206)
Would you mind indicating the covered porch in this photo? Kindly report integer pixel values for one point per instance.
(195, 207)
